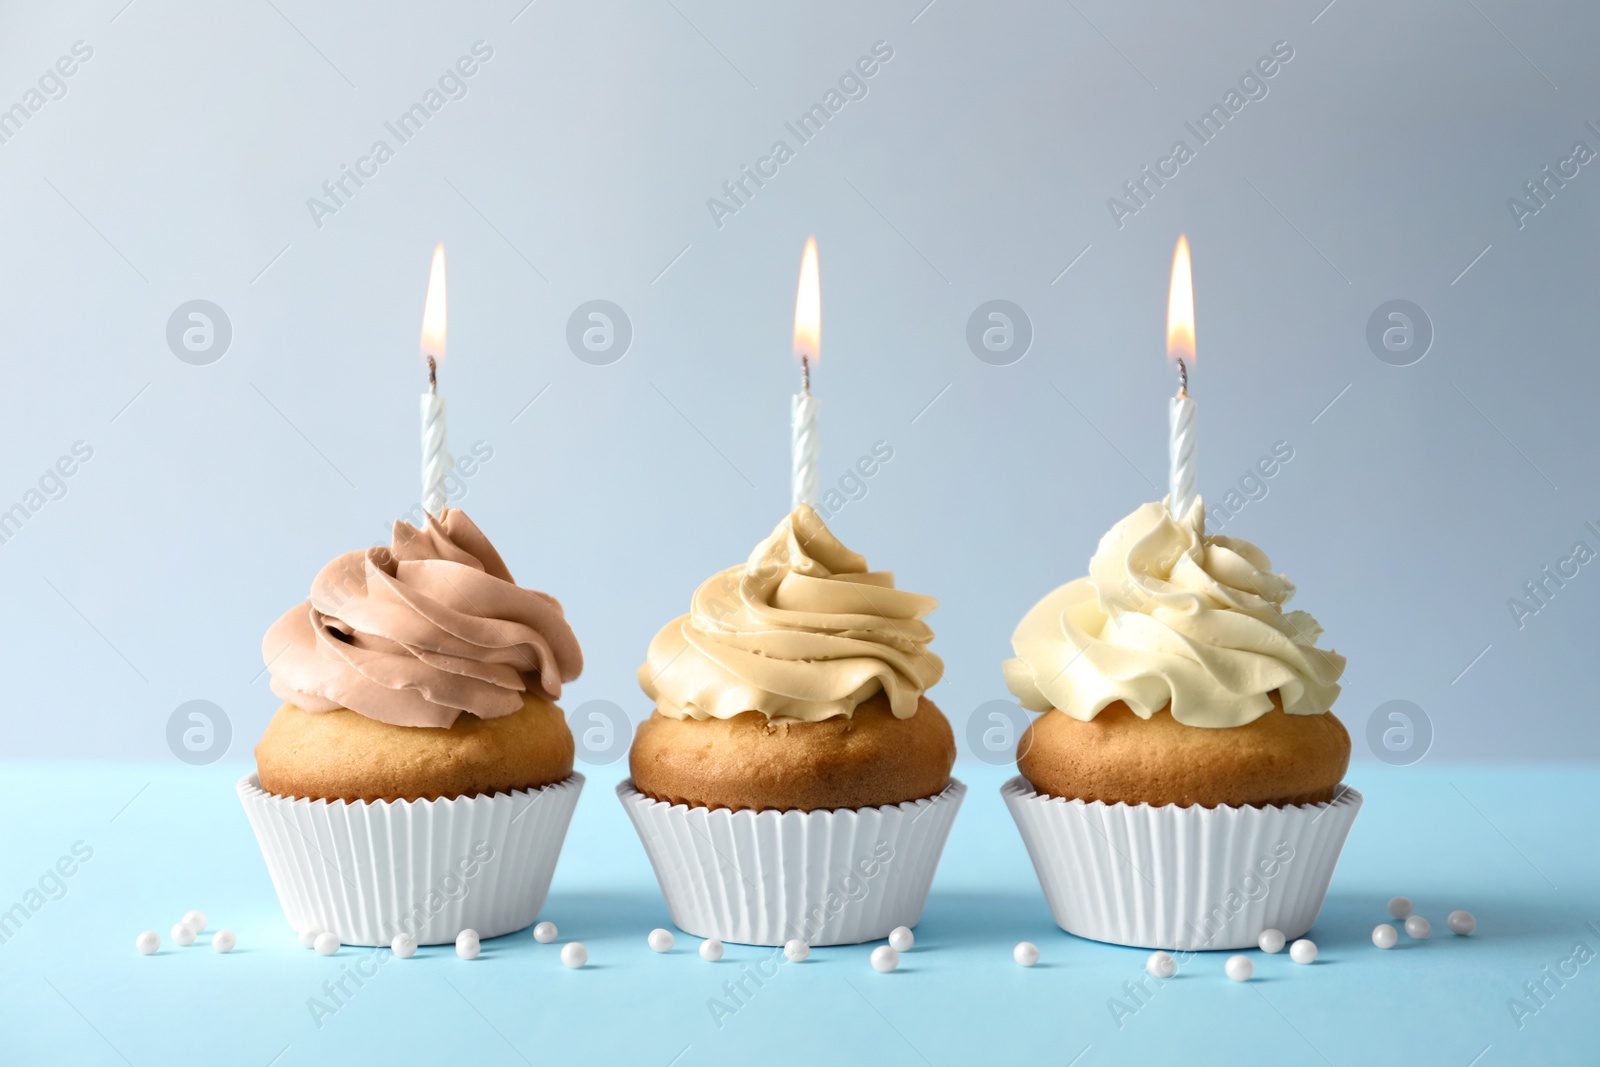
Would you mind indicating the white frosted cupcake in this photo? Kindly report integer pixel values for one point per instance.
(1182, 786)
(793, 781)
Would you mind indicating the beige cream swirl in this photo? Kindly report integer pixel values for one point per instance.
(417, 633)
(1171, 616)
(802, 630)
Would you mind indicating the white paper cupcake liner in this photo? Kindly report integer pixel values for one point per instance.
(1170, 877)
(825, 877)
(432, 868)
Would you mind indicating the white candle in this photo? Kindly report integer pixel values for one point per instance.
(805, 447)
(436, 461)
(435, 456)
(1182, 410)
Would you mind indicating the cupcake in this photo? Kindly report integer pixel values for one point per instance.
(1181, 787)
(793, 781)
(418, 778)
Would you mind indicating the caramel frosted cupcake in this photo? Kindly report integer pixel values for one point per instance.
(1185, 745)
(780, 785)
(418, 777)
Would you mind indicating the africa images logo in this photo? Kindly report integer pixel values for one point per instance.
(852, 85)
(1252, 85)
(338, 191)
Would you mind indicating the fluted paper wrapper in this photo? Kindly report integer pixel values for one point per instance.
(366, 871)
(1170, 877)
(836, 877)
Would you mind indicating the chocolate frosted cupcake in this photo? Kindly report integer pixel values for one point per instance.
(1185, 744)
(792, 750)
(419, 777)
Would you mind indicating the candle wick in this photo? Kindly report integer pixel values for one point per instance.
(1183, 377)
(433, 375)
(805, 374)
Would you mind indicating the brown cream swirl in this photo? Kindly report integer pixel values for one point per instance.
(416, 634)
(803, 630)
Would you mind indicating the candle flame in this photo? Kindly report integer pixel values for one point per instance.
(1180, 306)
(433, 308)
(808, 307)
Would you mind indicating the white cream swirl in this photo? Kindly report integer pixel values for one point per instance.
(1170, 616)
(801, 631)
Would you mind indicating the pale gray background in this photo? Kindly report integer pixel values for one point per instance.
(178, 166)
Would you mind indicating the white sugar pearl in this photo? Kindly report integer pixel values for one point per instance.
(1161, 965)
(404, 946)
(901, 939)
(1461, 922)
(1303, 951)
(1418, 928)
(574, 955)
(796, 950)
(326, 944)
(1239, 968)
(545, 933)
(1026, 953)
(1399, 907)
(660, 940)
(1385, 936)
(308, 936)
(223, 941)
(182, 934)
(711, 950)
(1271, 940)
(147, 942)
(467, 944)
(196, 920)
(885, 959)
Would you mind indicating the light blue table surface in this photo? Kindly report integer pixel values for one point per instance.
(1515, 845)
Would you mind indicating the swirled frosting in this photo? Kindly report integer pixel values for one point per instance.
(1171, 616)
(803, 630)
(417, 633)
